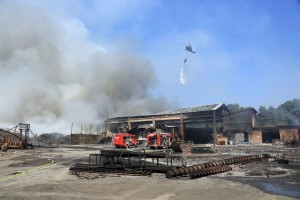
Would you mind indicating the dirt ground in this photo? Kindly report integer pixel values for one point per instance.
(44, 174)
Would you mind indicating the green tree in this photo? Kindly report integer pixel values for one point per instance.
(287, 113)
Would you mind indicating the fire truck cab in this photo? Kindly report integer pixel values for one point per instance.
(159, 140)
(125, 140)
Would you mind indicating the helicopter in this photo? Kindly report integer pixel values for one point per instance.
(189, 48)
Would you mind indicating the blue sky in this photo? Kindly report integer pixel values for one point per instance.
(247, 51)
(89, 60)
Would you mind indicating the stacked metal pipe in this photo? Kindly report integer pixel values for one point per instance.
(205, 169)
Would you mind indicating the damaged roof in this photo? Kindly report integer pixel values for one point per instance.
(194, 109)
(202, 108)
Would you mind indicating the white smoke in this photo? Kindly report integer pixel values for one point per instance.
(53, 75)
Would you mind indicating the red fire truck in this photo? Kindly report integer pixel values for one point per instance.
(124, 140)
(159, 140)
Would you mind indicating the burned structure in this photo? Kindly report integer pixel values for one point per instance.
(209, 124)
(199, 124)
(288, 134)
(237, 125)
(16, 137)
(87, 136)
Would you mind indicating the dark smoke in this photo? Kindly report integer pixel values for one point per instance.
(53, 75)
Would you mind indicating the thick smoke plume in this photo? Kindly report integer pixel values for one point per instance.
(52, 75)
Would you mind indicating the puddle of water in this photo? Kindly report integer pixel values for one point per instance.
(279, 190)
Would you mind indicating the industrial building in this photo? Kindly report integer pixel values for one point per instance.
(288, 134)
(209, 124)
(199, 124)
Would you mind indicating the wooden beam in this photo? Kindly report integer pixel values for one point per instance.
(162, 117)
(214, 128)
(181, 127)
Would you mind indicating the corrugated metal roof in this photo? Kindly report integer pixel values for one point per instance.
(202, 108)
(194, 109)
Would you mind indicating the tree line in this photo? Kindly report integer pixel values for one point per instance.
(287, 113)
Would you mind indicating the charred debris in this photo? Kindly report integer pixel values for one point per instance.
(21, 137)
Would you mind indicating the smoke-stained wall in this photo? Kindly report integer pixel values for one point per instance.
(240, 121)
(199, 135)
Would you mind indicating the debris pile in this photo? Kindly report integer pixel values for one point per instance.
(92, 172)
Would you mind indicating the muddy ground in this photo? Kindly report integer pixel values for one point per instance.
(44, 174)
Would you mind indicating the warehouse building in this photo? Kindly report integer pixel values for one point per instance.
(199, 124)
